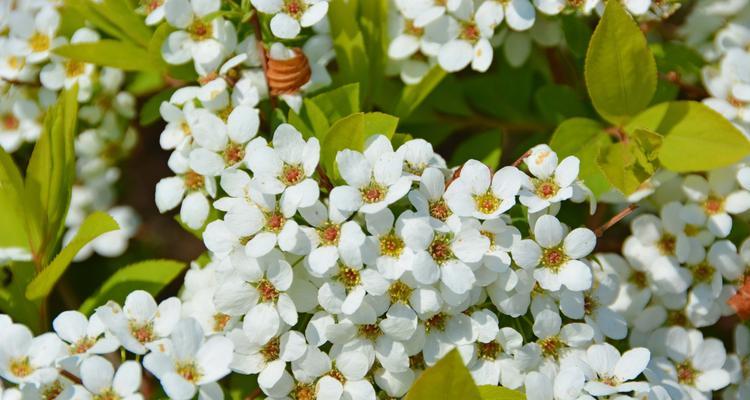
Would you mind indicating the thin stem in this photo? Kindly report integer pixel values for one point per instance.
(520, 159)
(615, 219)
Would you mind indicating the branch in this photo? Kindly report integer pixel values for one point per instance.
(615, 219)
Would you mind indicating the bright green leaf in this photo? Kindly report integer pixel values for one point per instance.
(620, 69)
(373, 23)
(696, 138)
(151, 276)
(377, 123)
(94, 225)
(12, 230)
(296, 121)
(346, 133)
(447, 379)
(155, 43)
(111, 53)
(149, 112)
(337, 103)
(145, 83)
(50, 175)
(92, 13)
(489, 392)
(122, 15)
(14, 279)
(626, 166)
(485, 147)
(413, 95)
(577, 34)
(583, 138)
(349, 44)
(318, 120)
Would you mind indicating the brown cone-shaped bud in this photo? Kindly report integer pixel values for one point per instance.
(287, 76)
(740, 302)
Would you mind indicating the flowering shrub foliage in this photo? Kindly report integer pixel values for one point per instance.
(348, 259)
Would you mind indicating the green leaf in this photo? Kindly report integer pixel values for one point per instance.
(338, 103)
(92, 14)
(155, 43)
(696, 138)
(489, 392)
(373, 23)
(13, 281)
(485, 147)
(50, 175)
(583, 138)
(12, 230)
(349, 44)
(318, 120)
(150, 275)
(447, 379)
(377, 123)
(111, 53)
(620, 69)
(296, 121)
(413, 95)
(145, 83)
(577, 34)
(626, 166)
(678, 57)
(122, 15)
(346, 133)
(94, 225)
(149, 112)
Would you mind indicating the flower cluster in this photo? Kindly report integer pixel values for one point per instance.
(31, 75)
(457, 33)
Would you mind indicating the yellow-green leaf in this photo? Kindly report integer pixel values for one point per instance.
(583, 138)
(626, 166)
(696, 138)
(94, 225)
(111, 53)
(620, 70)
(447, 379)
(346, 133)
(12, 230)
(489, 392)
(150, 275)
(413, 95)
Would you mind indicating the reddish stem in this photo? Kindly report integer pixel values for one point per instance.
(615, 219)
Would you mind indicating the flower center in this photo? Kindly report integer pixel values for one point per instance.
(337, 375)
(437, 321)
(267, 291)
(107, 394)
(551, 346)
(399, 292)
(349, 277)
(200, 30)
(271, 350)
(639, 279)
(703, 272)
(487, 203)
(692, 230)
(274, 222)
(82, 345)
(439, 210)
(10, 122)
(713, 205)
(21, 367)
(589, 304)
(546, 189)
(294, 8)
(391, 245)
(370, 331)
(39, 42)
(417, 362)
(489, 350)
(304, 391)
(292, 174)
(686, 374)
(220, 321)
(54, 389)
(667, 244)
(735, 102)
(185, 128)
(234, 153)
(470, 32)
(329, 234)
(15, 63)
(152, 5)
(410, 29)
(142, 333)
(553, 258)
(677, 318)
(188, 370)
(74, 68)
(194, 180)
(440, 248)
(373, 193)
(610, 380)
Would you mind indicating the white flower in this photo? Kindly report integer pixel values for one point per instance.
(191, 362)
(204, 41)
(334, 239)
(718, 197)
(287, 168)
(551, 183)
(99, 378)
(33, 36)
(567, 384)
(491, 357)
(221, 146)
(154, 11)
(476, 193)
(518, 14)
(18, 121)
(594, 307)
(62, 73)
(140, 321)
(374, 179)
(24, 358)
(612, 372)
(188, 188)
(84, 336)
(428, 199)
(290, 16)
(556, 257)
(470, 45)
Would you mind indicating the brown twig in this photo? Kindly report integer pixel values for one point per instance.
(325, 181)
(690, 90)
(520, 159)
(254, 394)
(615, 219)
(70, 376)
